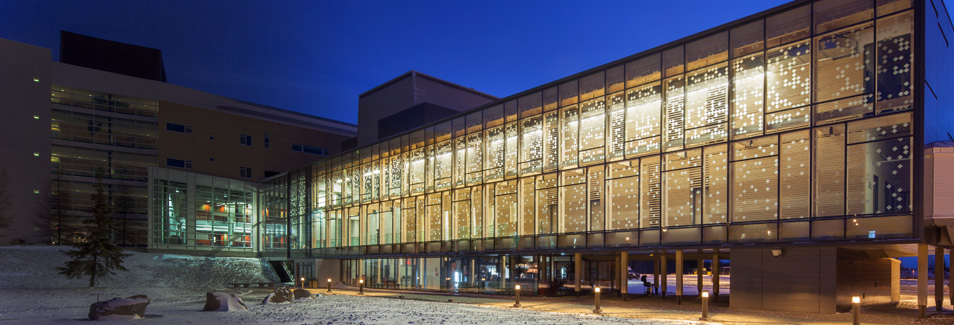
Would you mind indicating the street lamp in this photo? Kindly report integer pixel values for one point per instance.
(361, 287)
(303, 283)
(597, 310)
(329, 285)
(517, 302)
(856, 310)
(705, 306)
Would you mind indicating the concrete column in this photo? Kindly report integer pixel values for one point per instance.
(656, 276)
(922, 279)
(503, 272)
(700, 268)
(616, 274)
(715, 277)
(473, 275)
(938, 278)
(578, 272)
(679, 273)
(624, 273)
(663, 275)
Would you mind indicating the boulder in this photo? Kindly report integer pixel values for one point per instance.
(302, 294)
(279, 296)
(220, 301)
(120, 308)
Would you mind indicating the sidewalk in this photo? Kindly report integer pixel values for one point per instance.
(642, 307)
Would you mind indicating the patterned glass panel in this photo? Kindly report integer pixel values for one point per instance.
(594, 197)
(794, 178)
(531, 153)
(844, 64)
(879, 177)
(616, 132)
(755, 197)
(551, 138)
(570, 131)
(675, 114)
(650, 190)
(829, 171)
(715, 184)
(788, 76)
(623, 193)
(895, 63)
(748, 95)
(683, 198)
(643, 110)
(573, 201)
(592, 131)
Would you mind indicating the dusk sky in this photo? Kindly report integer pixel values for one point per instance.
(316, 57)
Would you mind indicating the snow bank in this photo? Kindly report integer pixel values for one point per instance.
(34, 267)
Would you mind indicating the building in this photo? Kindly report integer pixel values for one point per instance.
(790, 143)
(107, 108)
(800, 144)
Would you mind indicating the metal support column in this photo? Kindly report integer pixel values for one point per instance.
(663, 275)
(578, 272)
(715, 277)
(922, 279)
(938, 278)
(679, 273)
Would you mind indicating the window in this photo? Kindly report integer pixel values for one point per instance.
(310, 149)
(179, 128)
(178, 163)
(245, 139)
(245, 172)
(267, 142)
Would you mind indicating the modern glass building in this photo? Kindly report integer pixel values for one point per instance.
(800, 129)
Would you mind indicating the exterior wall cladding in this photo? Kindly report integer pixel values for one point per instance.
(801, 124)
(785, 127)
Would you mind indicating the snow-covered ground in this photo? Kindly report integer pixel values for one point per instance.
(31, 292)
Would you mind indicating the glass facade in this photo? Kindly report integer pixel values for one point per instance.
(800, 125)
(116, 135)
(191, 211)
(760, 132)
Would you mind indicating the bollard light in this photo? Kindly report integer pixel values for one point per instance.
(597, 309)
(517, 302)
(856, 310)
(329, 285)
(303, 283)
(361, 286)
(705, 306)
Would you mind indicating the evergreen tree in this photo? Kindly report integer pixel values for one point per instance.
(95, 255)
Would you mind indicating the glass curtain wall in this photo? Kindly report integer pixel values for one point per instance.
(793, 126)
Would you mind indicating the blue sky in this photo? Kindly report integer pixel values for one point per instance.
(316, 57)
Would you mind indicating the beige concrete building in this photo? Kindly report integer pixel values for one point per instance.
(64, 123)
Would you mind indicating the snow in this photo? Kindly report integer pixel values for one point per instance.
(33, 293)
(229, 302)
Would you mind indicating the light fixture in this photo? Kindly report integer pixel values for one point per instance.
(516, 303)
(776, 252)
(856, 310)
(705, 306)
(596, 307)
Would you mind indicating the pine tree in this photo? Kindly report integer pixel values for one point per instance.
(95, 255)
